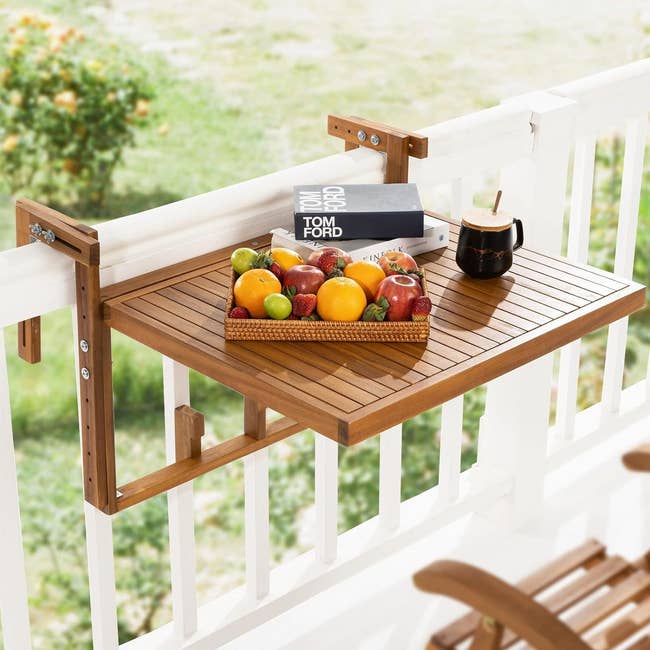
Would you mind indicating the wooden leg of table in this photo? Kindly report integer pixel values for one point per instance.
(254, 419)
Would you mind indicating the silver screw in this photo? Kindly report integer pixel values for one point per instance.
(49, 236)
(85, 373)
(361, 135)
(374, 139)
(35, 228)
(83, 344)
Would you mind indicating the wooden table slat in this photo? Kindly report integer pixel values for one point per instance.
(351, 391)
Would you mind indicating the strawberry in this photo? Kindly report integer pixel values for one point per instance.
(421, 308)
(239, 312)
(376, 311)
(304, 304)
(331, 264)
(277, 271)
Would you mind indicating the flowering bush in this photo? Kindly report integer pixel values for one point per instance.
(65, 117)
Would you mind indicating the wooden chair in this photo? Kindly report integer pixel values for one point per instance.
(530, 611)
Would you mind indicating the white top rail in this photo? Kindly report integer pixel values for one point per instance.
(609, 99)
(35, 280)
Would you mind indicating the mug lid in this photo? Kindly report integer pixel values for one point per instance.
(485, 219)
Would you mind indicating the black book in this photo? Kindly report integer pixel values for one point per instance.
(334, 212)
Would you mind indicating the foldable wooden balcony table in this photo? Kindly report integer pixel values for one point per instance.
(480, 329)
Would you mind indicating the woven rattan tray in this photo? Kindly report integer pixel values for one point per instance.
(266, 329)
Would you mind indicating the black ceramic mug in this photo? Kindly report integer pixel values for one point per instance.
(485, 250)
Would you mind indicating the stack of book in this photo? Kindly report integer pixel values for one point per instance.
(365, 221)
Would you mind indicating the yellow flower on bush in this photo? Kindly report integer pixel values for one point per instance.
(15, 99)
(94, 65)
(5, 73)
(10, 143)
(163, 129)
(110, 97)
(28, 20)
(65, 75)
(66, 99)
(142, 107)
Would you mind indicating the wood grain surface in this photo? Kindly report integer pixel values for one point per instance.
(480, 329)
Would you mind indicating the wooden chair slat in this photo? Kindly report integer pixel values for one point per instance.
(623, 628)
(641, 644)
(578, 589)
(630, 589)
(590, 551)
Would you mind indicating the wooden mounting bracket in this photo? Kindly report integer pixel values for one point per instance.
(398, 145)
(36, 222)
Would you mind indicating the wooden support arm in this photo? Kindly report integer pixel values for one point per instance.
(638, 460)
(397, 144)
(499, 601)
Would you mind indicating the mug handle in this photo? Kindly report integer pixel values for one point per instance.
(520, 234)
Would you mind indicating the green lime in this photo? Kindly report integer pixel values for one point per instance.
(242, 259)
(277, 306)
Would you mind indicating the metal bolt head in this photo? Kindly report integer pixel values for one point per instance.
(35, 228)
(49, 236)
(374, 139)
(361, 135)
(83, 344)
(85, 373)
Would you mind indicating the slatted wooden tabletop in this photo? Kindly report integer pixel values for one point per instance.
(480, 329)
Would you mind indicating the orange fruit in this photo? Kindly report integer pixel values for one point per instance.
(252, 287)
(286, 258)
(367, 274)
(340, 299)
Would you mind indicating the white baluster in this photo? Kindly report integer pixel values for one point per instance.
(326, 497)
(451, 441)
(99, 550)
(180, 509)
(647, 382)
(256, 494)
(14, 610)
(101, 577)
(390, 477)
(514, 430)
(635, 137)
(578, 248)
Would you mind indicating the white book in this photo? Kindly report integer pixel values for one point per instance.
(436, 235)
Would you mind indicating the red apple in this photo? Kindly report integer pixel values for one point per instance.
(315, 256)
(305, 278)
(395, 262)
(400, 291)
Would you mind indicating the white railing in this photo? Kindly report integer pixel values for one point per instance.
(528, 141)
